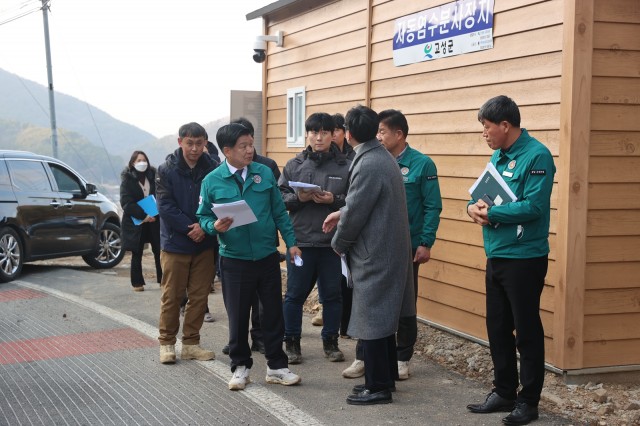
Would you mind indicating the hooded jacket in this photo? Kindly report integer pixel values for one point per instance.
(330, 171)
(178, 193)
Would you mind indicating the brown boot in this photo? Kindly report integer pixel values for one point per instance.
(196, 352)
(167, 354)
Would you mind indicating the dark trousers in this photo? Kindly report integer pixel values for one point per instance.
(323, 263)
(513, 289)
(256, 311)
(241, 279)
(137, 279)
(408, 326)
(380, 363)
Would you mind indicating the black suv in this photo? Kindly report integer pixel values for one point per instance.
(47, 210)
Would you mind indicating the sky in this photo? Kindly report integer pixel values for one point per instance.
(155, 64)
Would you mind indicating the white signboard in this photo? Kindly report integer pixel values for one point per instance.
(454, 28)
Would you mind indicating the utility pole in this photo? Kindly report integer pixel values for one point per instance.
(52, 105)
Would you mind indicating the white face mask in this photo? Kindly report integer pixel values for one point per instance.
(141, 166)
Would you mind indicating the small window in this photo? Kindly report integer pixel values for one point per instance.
(296, 105)
(65, 180)
(28, 176)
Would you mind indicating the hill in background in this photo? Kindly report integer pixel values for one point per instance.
(89, 140)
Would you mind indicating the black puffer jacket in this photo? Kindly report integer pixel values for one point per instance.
(178, 198)
(330, 171)
(130, 194)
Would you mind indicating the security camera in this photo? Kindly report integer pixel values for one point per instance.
(260, 45)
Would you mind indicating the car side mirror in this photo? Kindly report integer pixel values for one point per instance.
(91, 188)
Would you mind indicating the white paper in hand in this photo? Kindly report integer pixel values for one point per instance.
(239, 211)
(302, 186)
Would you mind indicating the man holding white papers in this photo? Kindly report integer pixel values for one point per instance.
(249, 259)
(517, 257)
(373, 232)
(313, 185)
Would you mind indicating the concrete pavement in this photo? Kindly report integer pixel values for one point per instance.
(79, 347)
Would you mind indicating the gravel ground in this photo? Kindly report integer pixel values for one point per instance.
(593, 404)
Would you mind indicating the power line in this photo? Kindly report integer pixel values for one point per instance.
(23, 13)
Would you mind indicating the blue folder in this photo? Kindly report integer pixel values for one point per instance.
(149, 206)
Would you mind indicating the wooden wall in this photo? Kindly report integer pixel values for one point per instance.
(612, 278)
(328, 51)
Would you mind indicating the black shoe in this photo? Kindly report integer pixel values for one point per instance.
(521, 415)
(367, 398)
(492, 404)
(225, 350)
(331, 350)
(359, 388)
(292, 349)
(258, 346)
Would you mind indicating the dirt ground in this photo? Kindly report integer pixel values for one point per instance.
(592, 404)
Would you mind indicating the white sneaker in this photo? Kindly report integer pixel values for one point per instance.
(282, 376)
(240, 378)
(208, 317)
(355, 370)
(403, 370)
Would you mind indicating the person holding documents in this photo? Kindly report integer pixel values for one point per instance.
(138, 181)
(313, 185)
(249, 259)
(373, 232)
(516, 242)
(187, 252)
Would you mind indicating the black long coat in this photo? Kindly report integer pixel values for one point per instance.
(130, 194)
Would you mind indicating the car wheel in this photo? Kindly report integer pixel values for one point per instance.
(109, 252)
(11, 255)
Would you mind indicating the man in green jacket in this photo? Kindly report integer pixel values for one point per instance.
(249, 259)
(516, 242)
(424, 205)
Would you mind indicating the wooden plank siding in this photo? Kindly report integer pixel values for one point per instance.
(573, 67)
(612, 289)
(441, 99)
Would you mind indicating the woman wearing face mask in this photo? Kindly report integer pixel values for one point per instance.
(139, 181)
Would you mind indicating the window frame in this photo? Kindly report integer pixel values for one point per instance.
(296, 112)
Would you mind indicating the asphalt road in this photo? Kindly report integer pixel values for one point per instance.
(79, 347)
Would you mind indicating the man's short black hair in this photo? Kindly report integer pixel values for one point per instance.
(245, 122)
(394, 120)
(362, 122)
(229, 134)
(192, 130)
(499, 109)
(338, 120)
(319, 121)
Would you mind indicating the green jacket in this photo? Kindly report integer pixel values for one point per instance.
(256, 240)
(523, 230)
(423, 196)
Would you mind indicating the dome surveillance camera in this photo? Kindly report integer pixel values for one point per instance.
(260, 45)
(259, 56)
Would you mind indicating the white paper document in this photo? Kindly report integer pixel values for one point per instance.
(297, 186)
(345, 270)
(239, 211)
(491, 183)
